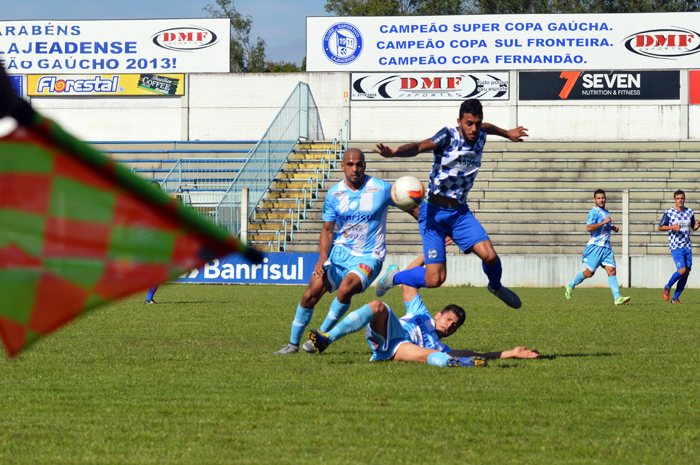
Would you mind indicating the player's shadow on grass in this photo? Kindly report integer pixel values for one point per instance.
(556, 356)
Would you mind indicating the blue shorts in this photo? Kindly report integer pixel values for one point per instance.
(341, 262)
(436, 222)
(595, 256)
(683, 258)
(383, 348)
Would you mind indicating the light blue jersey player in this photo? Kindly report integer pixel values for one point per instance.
(678, 221)
(351, 258)
(598, 252)
(415, 337)
(457, 156)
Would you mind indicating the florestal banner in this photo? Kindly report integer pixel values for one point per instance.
(133, 46)
(503, 42)
(430, 86)
(277, 268)
(600, 85)
(91, 85)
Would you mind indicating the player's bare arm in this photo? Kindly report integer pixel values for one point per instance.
(696, 225)
(518, 352)
(325, 242)
(674, 227)
(405, 151)
(514, 135)
(595, 226)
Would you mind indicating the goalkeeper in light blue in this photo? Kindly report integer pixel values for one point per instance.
(416, 337)
(352, 257)
(598, 252)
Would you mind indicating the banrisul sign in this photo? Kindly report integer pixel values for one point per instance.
(599, 85)
(277, 268)
(482, 43)
(430, 86)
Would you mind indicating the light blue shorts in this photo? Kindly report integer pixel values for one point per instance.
(383, 348)
(682, 258)
(595, 256)
(341, 263)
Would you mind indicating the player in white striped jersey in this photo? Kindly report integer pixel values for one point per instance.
(416, 337)
(598, 252)
(678, 221)
(350, 259)
(456, 161)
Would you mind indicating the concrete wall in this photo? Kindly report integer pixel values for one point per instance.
(241, 107)
(650, 271)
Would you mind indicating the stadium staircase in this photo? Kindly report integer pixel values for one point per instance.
(531, 197)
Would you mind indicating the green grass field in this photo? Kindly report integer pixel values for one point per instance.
(192, 380)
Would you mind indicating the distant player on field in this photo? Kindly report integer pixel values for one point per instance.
(351, 258)
(457, 158)
(416, 337)
(599, 252)
(678, 221)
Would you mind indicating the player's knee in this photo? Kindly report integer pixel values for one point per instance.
(378, 308)
(435, 280)
(345, 293)
(491, 257)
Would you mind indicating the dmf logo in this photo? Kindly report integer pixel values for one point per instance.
(184, 39)
(451, 83)
(664, 43)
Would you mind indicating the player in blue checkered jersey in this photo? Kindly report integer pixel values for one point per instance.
(457, 158)
(598, 252)
(415, 337)
(678, 221)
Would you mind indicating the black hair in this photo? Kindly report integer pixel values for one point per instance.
(678, 192)
(458, 311)
(471, 106)
(598, 191)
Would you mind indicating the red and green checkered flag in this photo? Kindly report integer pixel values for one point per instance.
(78, 230)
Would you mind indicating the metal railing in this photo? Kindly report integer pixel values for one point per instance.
(202, 174)
(297, 119)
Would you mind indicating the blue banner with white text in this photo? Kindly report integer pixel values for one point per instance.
(277, 268)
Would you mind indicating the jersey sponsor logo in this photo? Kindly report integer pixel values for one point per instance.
(372, 189)
(337, 194)
(342, 43)
(366, 269)
(358, 218)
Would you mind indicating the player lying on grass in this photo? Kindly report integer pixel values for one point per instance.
(416, 337)
(350, 259)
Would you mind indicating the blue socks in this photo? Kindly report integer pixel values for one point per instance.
(151, 292)
(676, 276)
(438, 359)
(612, 282)
(415, 277)
(334, 315)
(301, 321)
(577, 280)
(493, 272)
(352, 323)
(680, 287)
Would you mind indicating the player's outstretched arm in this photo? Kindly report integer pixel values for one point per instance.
(518, 352)
(515, 134)
(405, 151)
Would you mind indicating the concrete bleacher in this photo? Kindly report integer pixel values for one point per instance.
(532, 197)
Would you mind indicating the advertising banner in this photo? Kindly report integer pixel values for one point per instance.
(430, 86)
(277, 268)
(600, 85)
(63, 85)
(694, 87)
(128, 46)
(393, 44)
(17, 85)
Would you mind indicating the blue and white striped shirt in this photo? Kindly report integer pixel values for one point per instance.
(600, 236)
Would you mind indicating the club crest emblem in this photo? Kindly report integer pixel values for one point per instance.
(342, 43)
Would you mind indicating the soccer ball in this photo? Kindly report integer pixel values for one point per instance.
(407, 192)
